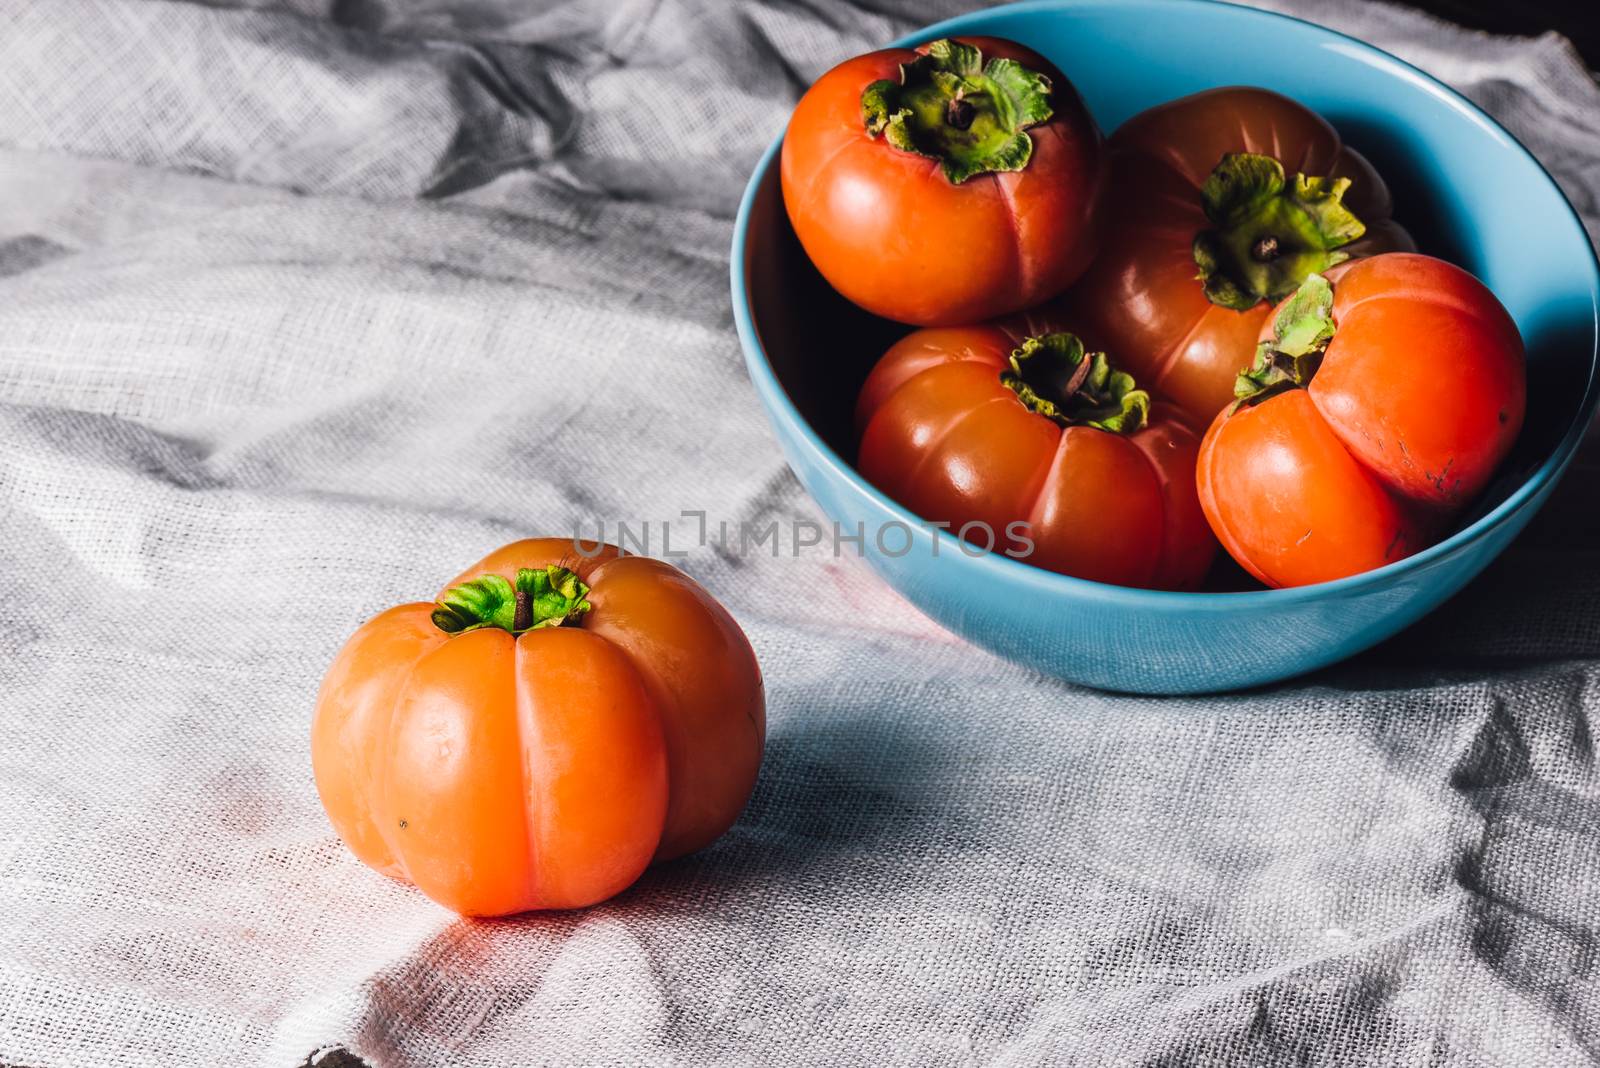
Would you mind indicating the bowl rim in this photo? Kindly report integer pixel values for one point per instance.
(1014, 570)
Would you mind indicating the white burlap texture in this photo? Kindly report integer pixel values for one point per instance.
(303, 309)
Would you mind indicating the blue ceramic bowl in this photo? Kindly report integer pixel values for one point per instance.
(1465, 188)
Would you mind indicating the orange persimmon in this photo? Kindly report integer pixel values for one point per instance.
(549, 727)
(944, 184)
(987, 428)
(1218, 205)
(1381, 400)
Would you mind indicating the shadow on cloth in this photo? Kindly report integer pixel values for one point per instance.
(839, 794)
(837, 791)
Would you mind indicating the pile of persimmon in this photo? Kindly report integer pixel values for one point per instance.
(1207, 327)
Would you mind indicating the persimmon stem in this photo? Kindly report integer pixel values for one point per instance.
(952, 106)
(541, 597)
(1291, 358)
(960, 113)
(1053, 376)
(1269, 230)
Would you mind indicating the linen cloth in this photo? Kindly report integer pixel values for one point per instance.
(305, 308)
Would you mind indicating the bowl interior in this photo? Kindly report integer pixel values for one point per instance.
(1466, 190)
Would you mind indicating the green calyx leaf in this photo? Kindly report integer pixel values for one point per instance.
(1268, 232)
(1300, 335)
(951, 106)
(1054, 377)
(541, 597)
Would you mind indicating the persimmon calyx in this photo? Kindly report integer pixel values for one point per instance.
(540, 597)
(951, 106)
(1300, 335)
(1268, 232)
(1053, 376)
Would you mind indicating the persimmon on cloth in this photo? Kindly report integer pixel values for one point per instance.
(541, 734)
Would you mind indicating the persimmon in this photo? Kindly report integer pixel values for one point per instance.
(982, 428)
(1218, 206)
(944, 184)
(552, 724)
(1381, 400)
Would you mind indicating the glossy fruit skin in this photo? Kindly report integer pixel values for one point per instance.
(890, 232)
(501, 774)
(1420, 395)
(942, 435)
(1140, 300)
